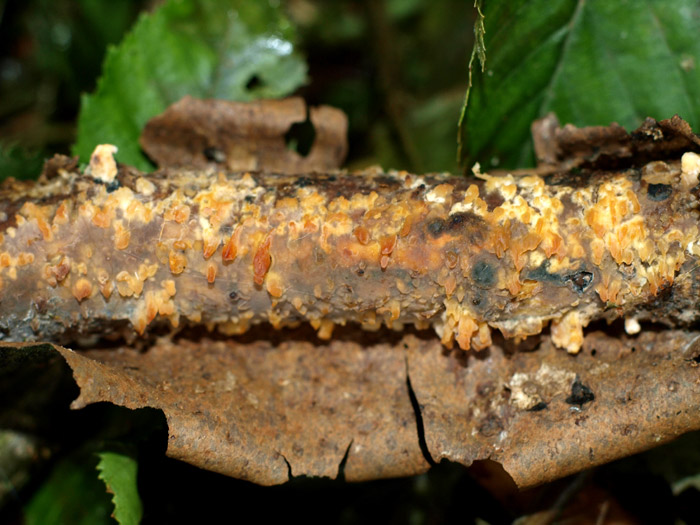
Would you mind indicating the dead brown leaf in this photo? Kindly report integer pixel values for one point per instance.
(545, 414)
(244, 136)
(265, 410)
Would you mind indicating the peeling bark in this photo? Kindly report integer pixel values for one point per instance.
(111, 251)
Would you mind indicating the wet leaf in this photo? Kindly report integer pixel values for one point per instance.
(118, 471)
(232, 51)
(591, 63)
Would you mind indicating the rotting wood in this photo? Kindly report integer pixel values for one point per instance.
(111, 251)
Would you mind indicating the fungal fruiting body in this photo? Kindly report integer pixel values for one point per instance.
(110, 251)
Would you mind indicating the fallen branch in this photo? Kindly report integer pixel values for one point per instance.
(111, 251)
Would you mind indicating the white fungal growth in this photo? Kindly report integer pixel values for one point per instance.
(103, 167)
(632, 326)
(690, 169)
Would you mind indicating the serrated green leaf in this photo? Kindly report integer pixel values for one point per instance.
(71, 494)
(235, 50)
(591, 62)
(118, 471)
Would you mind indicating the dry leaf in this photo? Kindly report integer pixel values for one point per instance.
(243, 136)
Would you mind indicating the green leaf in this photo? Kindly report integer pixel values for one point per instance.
(591, 62)
(71, 494)
(118, 471)
(236, 50)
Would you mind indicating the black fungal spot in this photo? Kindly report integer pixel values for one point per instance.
(249, 199)
(483, 274)
(109, 186)
(456, 220)
(233, 295)
(303, 182)
(436, 227)
(580, 394)
(580, 281)
(539, 406)
(541, 274)
(659, 192)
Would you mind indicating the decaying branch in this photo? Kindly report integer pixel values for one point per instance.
(117, 252)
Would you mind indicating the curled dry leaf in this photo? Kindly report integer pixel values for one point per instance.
(241, 136)
(119, 254)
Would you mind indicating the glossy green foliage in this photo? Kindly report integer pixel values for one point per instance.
(589, 62)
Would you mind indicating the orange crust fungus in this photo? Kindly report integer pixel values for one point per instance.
(465, 255)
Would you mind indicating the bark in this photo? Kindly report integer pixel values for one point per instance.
(111, 251)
